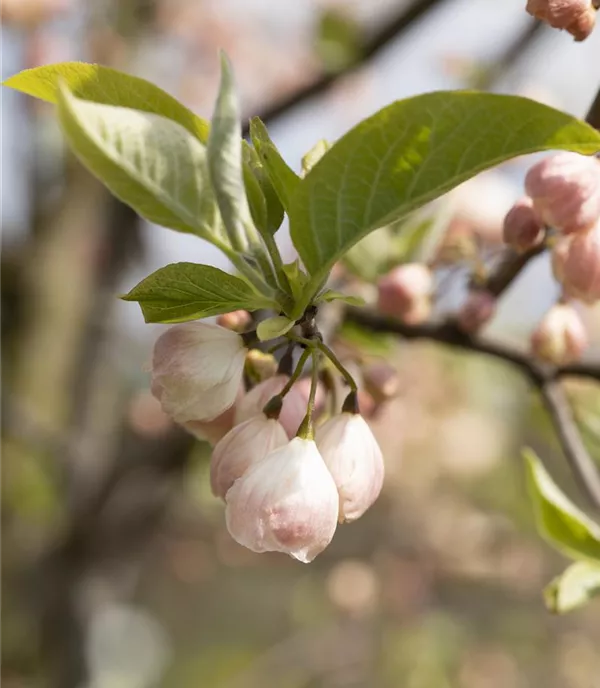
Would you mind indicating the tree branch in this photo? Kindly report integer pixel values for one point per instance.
(544, 377)
(392, 30)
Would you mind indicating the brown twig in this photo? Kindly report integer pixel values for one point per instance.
(545, 378)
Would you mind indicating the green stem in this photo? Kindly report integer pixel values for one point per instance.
(307, 429)
(251, 275)
(297, 372)
(338, 364)
(277, 260)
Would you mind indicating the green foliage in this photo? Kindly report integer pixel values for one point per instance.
(186, 291)
(410, 153)
(338, 40)
(108, 87)
(558, 520)
(270, 218)
(225, 162)
(330, 295)
(285, 181)
(314, 155)
(271, 328)
(574, 587)
(149, 162)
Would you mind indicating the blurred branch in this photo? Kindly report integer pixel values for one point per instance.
(545, 378)
(388, 33)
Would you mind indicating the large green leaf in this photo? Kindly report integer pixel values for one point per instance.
(225, 162)
(559, 521)
(188, 291)
(574, 587)
(411, 152)
(149, 162)
(108, 87)
(284, 179)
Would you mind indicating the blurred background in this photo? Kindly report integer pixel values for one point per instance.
(117, 568)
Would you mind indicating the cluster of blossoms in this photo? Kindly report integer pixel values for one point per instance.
(285, 485)
(577, 17)
(563, 196)
(561, 210)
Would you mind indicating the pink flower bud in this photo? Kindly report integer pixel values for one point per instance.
(381, 381)
(212, 430)
(406, 292)
(575, 16)
(479, 307)
(241, 447)
(197, 370)
(565, 189)
(237, 321)
(522, 227)
(354, 459)
(576, 265)
(287, 503)
(560, 337)
(292, 411)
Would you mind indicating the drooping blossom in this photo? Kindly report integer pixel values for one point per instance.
(405, 293)
(560, 337)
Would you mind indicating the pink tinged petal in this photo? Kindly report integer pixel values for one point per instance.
(197, 370)
(241, 447)
(292, 411)
(354, 459)
(287, 503)
(560, 337)
(576, 265)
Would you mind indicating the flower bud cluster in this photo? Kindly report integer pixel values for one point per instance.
(577, 17)
(563, 194)
(284, 491)
(406, 293)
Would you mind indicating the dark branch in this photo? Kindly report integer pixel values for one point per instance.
(371, 47)
(543, 377)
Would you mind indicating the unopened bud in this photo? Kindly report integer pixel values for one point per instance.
(565, 189)
(576, 265)
(293, 409)
(237, 321)
(241, 447)
(560, 337)
(287, 502)
(212, 431)
(522, 227)
(578, 17)
(260, 365)
(354, 459)
(381, 381)
(197, 370)
(479, 307)
(406, 292)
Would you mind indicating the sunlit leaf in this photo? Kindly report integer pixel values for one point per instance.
(106, 86)
(411, 152)
(574, 587)
(149, 162)
(188, 291)
(558, 519)
(271, 328)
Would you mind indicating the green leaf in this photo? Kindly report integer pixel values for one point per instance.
(149, 162)
(338, 40)
(410, 153)
(225, 162)
(297, 278)
(558, 520)
(108, 87)
(284, 179)
(271, 328)
(314, 155)
(573, 588)
(331, 295)
(273, 208)
(188, 291)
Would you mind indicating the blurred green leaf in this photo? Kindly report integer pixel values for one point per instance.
(150, 163)
(224, 154)
(188, 291)
(285, 181)
(314, 155)
(374, 343)
(559, 521)
(274, 327)
(337, 40)
(408, 154)
(108, 87)
(331, 295)
(574, 587)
